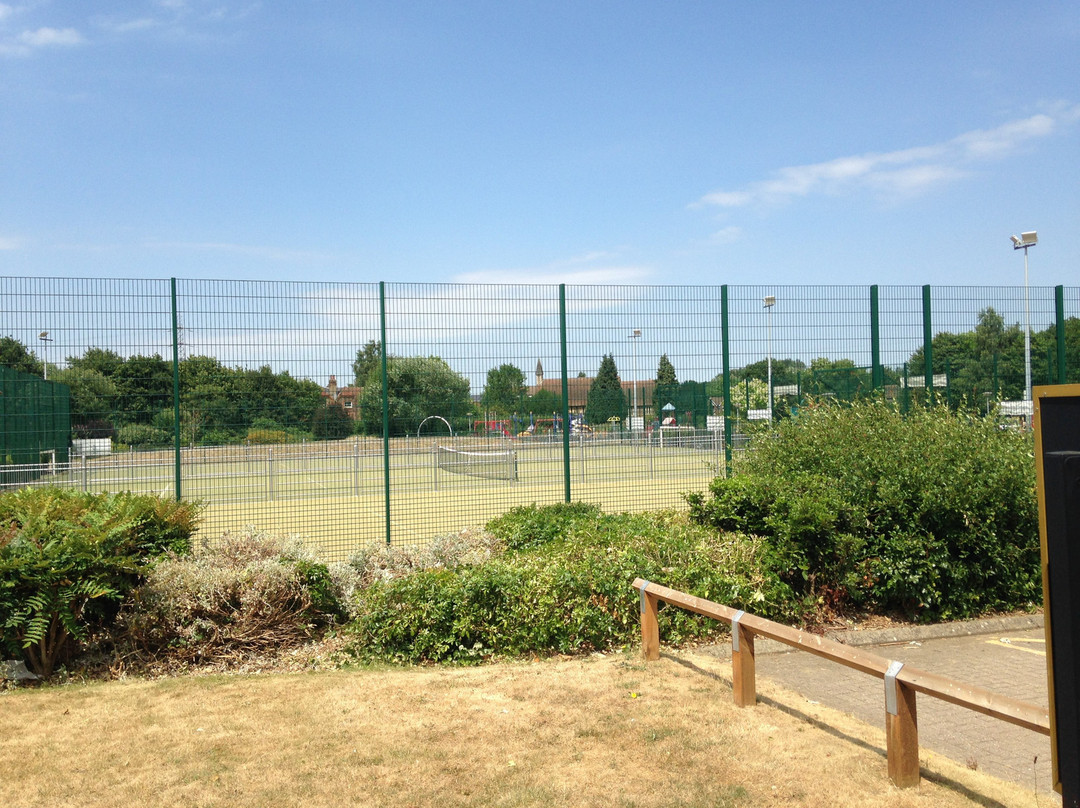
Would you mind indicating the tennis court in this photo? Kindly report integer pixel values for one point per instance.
(334, 493)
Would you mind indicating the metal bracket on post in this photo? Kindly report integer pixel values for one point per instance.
(735, 630)
(890, 686)
(641, 593)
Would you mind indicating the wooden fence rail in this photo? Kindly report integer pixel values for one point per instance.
(902, 682)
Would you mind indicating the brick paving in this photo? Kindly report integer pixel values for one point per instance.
(1011, 663)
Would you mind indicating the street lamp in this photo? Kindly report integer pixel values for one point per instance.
(1022, 242)
(634, 338)
(45, 339)
(769, 302)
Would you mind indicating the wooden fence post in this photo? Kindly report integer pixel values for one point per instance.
(743, 672)
(901, 730)
(650, 627)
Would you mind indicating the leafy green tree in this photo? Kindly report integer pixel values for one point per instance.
(504, 392)
(278, 398)
(839, 378)
(606, 397)
(543, 403)
(751, 393)
(988, 360)
(416, 388)
(93, 395)
(210, 401)
(101, 360)
(144, 387)
(368, 359)
(1046, 341)
(784, 371)
(13, 354)
(331, 422)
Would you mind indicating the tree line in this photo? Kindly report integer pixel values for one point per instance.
(130, 398)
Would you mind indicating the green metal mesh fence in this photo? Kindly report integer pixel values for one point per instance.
(35, 426)
(361, 413)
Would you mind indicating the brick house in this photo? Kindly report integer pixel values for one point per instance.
(347, 397)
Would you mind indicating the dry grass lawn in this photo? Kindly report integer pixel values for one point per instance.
(601, 731)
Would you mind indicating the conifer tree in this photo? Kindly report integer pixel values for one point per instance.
(606, 397)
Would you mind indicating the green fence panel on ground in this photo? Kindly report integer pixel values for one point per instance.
(360, 413)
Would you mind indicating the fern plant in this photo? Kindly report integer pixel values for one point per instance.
(67, 557)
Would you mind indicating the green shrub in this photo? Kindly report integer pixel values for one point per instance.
(933, 514)
(252, 592)
(68, 558)
(380, 562)
(143, 436)
(529, 527)
(569, 594)
(262, 437)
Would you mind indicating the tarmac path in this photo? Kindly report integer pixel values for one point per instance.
(1007, 656)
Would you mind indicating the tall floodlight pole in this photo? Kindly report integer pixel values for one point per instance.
(769, 302)
(1022, 242)
(45, 340)
(634, 338)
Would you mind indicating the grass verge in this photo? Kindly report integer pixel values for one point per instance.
(602, 730)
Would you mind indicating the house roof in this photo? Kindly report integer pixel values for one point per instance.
(578, 389)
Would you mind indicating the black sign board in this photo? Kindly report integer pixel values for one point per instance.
(1057, 454)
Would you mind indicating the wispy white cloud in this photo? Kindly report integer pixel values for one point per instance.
(47, 37)
(904, 172)
(613, 275)
(9, 243)
(29, 41)
(726, 235)
(127, 26)
(590, 268)
(177, 19)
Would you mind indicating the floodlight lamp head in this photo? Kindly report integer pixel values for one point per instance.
(769, 301)
(1028, 238)
(43, 335)
(637, 333)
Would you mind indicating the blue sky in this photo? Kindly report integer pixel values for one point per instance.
(651, 143)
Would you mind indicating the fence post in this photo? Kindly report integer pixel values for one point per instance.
(725, 352)
(901, 730)
(743, 669)
(356, 466)
(565, 393)
(928, 339)
(270, 473)
(385, 407)
(1059, 330)
(877, 375)
(650, 627)
(176, 388)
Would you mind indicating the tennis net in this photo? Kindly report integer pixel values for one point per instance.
(500, 465)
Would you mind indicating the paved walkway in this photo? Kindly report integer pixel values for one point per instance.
(1009, 660)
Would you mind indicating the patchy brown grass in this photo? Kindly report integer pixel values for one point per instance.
(602, 731)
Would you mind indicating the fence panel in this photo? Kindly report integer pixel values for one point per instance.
(652, 435)
(269, 408)
(468, 436)
(273, 412)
